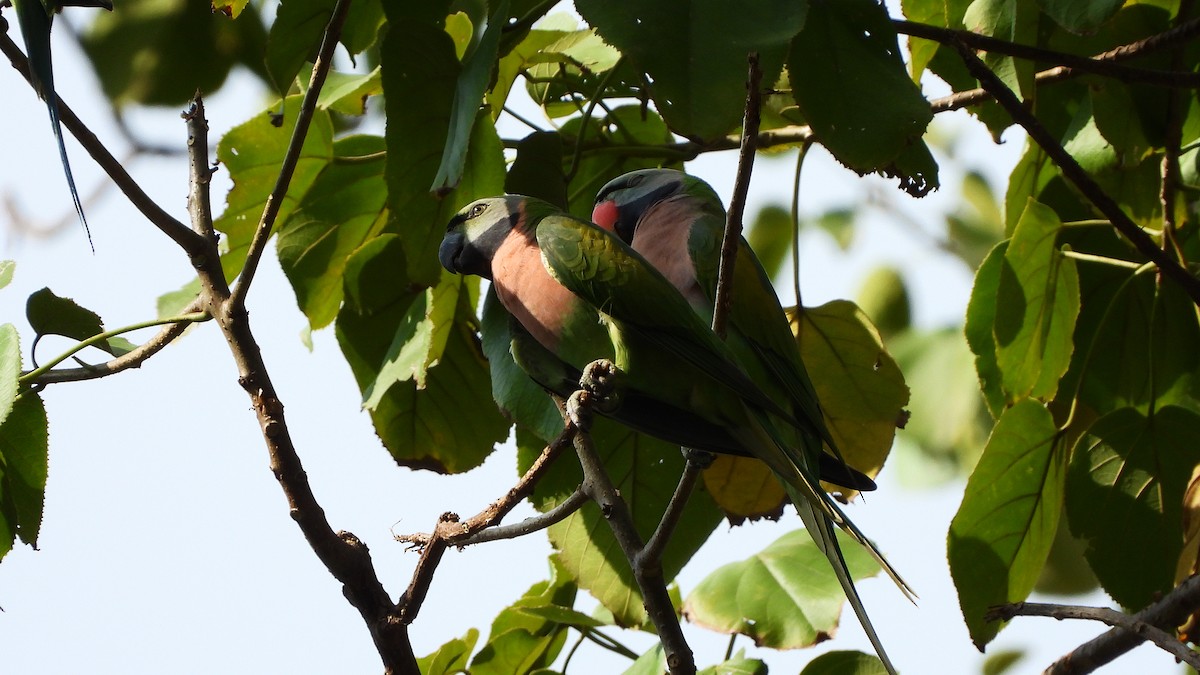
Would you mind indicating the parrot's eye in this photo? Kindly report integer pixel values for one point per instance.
(476, 210)
(635, 181)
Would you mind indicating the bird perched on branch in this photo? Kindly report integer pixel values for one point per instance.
(582, 294)
(676, 222)
(36, 18)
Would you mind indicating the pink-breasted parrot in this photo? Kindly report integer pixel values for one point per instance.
(36, 18)
(676, 221)
(583, 294)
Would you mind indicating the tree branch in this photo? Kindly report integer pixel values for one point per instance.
(531, 524)
(169, 225)
(1128, 632)
(599, 487)
(451, 531)
(1076, 174)
(258, 244)
(1106, 67)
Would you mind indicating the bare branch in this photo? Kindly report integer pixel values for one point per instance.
(1076, 174)
(1128, 632)
(531, 524)
(169, 225)
(651, 555)
(258, 244)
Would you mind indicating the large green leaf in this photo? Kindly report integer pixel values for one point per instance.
(861, 389)
(1002, 533)
(24, 459)
(849, 80)
(451, 657)
(451, 424)
(1125, 495)
(1080, 16)
(524, 639)
(1013, 21)
(294, 38)
(343, 208)
(252, 153)
(694, 52)
(161, 52)
(7, 267)
(1037, 302)
(645, 471)
(981, 317)
(519, 397)
(468, 95)
(784, 597)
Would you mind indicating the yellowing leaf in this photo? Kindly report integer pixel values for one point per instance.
(744, 488)
(861, 389)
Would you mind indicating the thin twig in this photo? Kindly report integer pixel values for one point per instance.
(795, 213)
(169, 225)
(1176, 78)
(531, 524)
(266, 223)
(452, 531)
(649, 580)
(1172, 140)
(651, 554)
(1076, 174)
(587, 117)
(737, 203)
(1128, 632)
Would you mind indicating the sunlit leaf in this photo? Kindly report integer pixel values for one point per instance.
(845, 663)
(981, 317)
(744, 488)
(784, 597)
(50, 314)
(10, 368)
(7, 267)
(451, 657)
(1005, 525)
(1037, 302)
(740, 664)
(294, 38)
(861, 389)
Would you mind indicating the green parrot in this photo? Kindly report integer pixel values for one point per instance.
(36, 18)
(582, 294)
(677, 223)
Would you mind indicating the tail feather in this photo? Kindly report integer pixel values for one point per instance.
(52, 105)
(820, 528)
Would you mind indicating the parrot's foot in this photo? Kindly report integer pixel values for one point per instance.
(600, 379)
(579, 409)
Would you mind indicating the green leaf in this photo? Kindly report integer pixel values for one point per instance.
(653, 662)
(468, 95)
(784, 597)
(10, 368)
(420, 338)
(345, 93)
(537, 170)
(1001, 662)
(770, 236)
(740, 664)
(174, 302)
(981, 317)
(1080, 16)
(161, 52)
(524, 641)
(451, 657)
(343, 208)
(252, 152)
(1002, 533)
(24, 458)
(7, 267)
(884, 298)
(845, 663)
(231, 8)
(947, 422)
(1132, 470)
(294, 38)
(419, 64)
(1037, 303)
(363, 23)
(645, 471)
(49, 314)
(1011, 20)
(849, 80)
(519, 397)
(861, 389)
(449, 426)
(694, 52)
